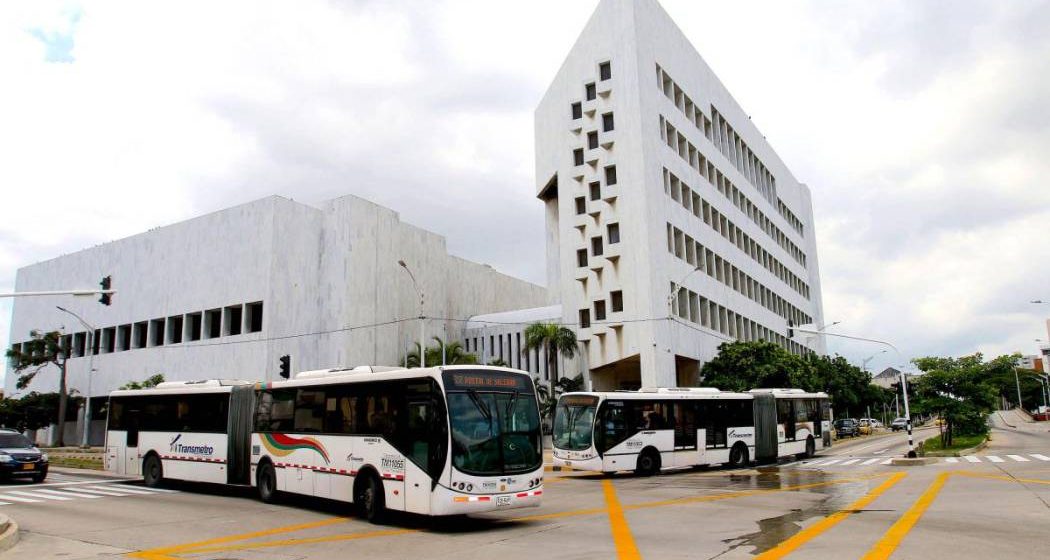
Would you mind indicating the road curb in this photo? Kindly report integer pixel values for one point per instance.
(974, 449)
(8, 533)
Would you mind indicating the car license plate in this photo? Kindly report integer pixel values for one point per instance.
(28, 466)
(502, 500)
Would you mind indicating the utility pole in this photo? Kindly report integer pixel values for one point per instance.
(1017, 380)
(91, 371)
(907, 414)
(422, 317)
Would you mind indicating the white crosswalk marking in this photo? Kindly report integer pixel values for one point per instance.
(850, 462)
(41, 496)
(161, 490)
(994, 459)
(870, 461)
(886, 462)
(952, 459)
(831, 462)
(127, 489)
(103, 492)
(1040, 457)
(972, 459)
(20, 499)
(65, 493)
(1018, 458)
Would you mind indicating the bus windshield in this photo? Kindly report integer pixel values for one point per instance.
(497, 431)
(573, 422)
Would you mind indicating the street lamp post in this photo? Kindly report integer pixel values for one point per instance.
(91, 361)
(865, 361)
(422, 316)
(1042, 387)
(671, 297)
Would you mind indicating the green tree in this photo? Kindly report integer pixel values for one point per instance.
(33, 411)
(555, 340)
(454, 354)
(740, 366)
(547, 395)
(962, 391)
(34, 357)
(148, 383)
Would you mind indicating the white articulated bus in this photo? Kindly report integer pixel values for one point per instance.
(432, 441)
(654, 429)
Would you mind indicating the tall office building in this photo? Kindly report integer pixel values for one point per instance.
(672, 225)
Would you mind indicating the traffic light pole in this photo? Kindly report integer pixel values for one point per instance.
(59, 293)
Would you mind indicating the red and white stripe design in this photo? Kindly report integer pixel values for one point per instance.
(529, 493)
(331, 470)
(472, 499)
(192, 459)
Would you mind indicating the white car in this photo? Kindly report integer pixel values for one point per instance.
(872, 422)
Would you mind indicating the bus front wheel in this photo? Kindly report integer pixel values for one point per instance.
(152, 471)
(738, 456)
(371, 499)
(266, 481)
(648, 463)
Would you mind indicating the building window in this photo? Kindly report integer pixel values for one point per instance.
(577, 156)
(255, 317)
(581, 205)
(124, 337)
(156, 329)
(577, 110)
(140, 335)
(585, 318)
(607, 122)
(596, 246)
(234, 320)
(604, 71)
(599, 310)
(175, 327)
(596, 190)
(109, 340)
(591, 91)
(79, 344)
(592, 140)
(213, 323)
(193, 326)
(613, 231)
(581, 257)
(610, 175)
(617, 300)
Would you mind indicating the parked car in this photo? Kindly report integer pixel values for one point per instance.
(899, 424)
(19, 457)
(847, 427)
(875, 424)
(864, 426)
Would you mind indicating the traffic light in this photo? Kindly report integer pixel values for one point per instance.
(791, 329)
(286, 366)
(106, 284)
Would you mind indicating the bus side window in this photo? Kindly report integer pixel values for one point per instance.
(613, 426)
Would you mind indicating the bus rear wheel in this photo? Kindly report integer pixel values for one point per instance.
(370, 499)
(811, 447)
(152, 471)
(648, 463)
(738, 456)
(266, 482)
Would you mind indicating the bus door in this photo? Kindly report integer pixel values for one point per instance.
(420, 447)
(685, 433)
(132, 463)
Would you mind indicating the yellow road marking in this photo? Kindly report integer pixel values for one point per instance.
(308, 540)
(621, 532)
(807, 534)
(893, 537)
(1006, 478)
(164, 552)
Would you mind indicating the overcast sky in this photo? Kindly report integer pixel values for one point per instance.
(922, 128)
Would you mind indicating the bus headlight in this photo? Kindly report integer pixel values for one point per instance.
(470, 487)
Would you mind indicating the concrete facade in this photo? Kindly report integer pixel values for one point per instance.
(649, 169)
(327, 277)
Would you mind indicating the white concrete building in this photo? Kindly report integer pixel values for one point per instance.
(653, 176)
(226, 294)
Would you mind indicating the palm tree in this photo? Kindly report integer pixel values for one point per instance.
(454, 354)
(555, 340)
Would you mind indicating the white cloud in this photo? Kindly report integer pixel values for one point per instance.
(921, 129)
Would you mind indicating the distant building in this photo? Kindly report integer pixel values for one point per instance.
(889, 377)
(1031, 362)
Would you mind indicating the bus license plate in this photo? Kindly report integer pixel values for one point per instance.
(502, 500)
(28, 466)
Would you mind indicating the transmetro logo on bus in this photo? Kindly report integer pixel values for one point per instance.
(176, 447)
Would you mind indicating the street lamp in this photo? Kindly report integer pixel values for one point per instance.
(91, 370)
(869, 358)
(422, 317)
(1043, 386)
(674, 292)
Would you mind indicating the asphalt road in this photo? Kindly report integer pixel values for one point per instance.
(854, 507)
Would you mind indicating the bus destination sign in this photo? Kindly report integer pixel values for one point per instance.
(481, 380)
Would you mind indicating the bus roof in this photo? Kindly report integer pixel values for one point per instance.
(177, 387)
(377, 373)
(648, 393)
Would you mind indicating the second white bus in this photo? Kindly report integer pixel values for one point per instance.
(654, 429)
